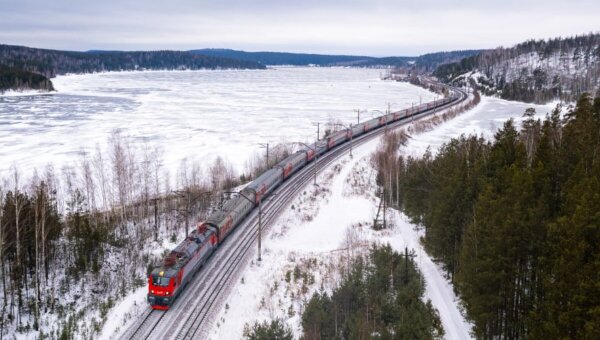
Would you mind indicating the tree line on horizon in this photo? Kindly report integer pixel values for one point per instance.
(31, 68)
(23, 68)
(426, 62)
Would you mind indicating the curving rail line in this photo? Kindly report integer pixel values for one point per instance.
(191, 311)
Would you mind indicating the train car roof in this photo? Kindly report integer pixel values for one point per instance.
(179, 256)
(263, 177)
(289, 158)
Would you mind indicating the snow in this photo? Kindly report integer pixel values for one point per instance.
(120, 316)
(314, 228)
(22, 93)
(123, 314)
(317, 225)
(170, 109)
(566, 65)
(485, 119)
(292, 241)
(197, 110)
(437, 289)
(85, 298)
(197, 115)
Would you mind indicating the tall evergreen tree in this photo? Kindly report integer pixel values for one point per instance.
(525, 214)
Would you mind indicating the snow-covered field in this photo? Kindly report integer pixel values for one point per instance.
(334, 218)
(485, 119)
(190, 114)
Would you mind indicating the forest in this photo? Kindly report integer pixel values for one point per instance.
(427, 62)
(75, 240)
(16, 79)
(380, 296)
(533, 71)
(283, 58)
(31, 68)
(515, 221)
(19, 62)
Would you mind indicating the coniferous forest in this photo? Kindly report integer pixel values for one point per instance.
(515, 222)
(23, 68)
(16, 79)
(30, 68)
(380, 297)
(54, 62)
(533, 71)
(426, 62)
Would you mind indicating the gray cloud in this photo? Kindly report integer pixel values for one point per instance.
(375, 27)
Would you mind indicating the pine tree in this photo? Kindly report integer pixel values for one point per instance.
(273, 330)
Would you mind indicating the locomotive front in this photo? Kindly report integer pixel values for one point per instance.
(161, 285)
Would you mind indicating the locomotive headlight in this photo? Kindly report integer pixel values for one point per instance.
(167, 293)
(151, 291)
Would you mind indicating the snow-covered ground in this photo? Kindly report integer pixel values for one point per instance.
(19, 93)
(485, 119)
(333, 219)
(197, 114)
(191, 114)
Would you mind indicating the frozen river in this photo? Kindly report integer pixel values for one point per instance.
(190, 114)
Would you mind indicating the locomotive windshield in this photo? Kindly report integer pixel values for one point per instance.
(160, 281)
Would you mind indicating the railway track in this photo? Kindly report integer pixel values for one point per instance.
(191, 312)
(149, 321)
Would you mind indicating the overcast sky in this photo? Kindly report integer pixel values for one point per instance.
(366, 27)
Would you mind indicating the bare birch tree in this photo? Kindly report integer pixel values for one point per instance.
(157, 163)
(99, 165)
(19, 203)
(88, 182)
(119, 174)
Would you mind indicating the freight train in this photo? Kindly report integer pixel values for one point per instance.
(167, 282)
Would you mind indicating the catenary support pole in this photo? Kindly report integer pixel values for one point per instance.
(259, 228)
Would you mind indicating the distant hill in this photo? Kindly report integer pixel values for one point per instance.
(21, 64)
(427, 62)
(284, 58)
(533, 71)
(19, 61)
(53, 62)
(423, 63)
(430, 61)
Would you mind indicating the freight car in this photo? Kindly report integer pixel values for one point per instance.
(166, 282)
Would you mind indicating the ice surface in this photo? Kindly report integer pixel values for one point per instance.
(191, 114)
